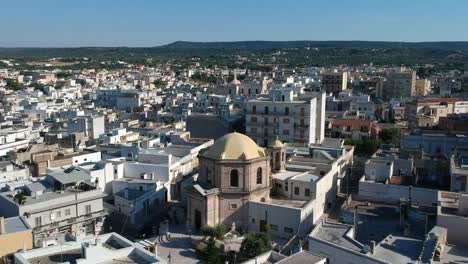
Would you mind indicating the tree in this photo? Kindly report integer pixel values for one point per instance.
(217, 231)
(159, 83)
(365, 147)
(210, 254)
(254, 245)
(12, 84)
(207, 230)
(63, 75)
(38, 86)
(390, 135)
(19, 198)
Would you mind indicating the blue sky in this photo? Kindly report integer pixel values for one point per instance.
(74, 23)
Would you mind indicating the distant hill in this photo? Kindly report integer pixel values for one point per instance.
(449, 45)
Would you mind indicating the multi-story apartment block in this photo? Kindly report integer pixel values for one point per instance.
(422, 87)
(356, 129)
(64, 203)
(12, 175)
(91, 126)
(398, 84)
(334, 82)
(290, 119)
(426, 112)
(457, 123)
(14, 137)
(119, 99)
(105, 248)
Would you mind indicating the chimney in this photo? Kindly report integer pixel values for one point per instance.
(2, 225)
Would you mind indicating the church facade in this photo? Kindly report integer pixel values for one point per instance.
(232, 172)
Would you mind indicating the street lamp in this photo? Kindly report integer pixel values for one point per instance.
(169, 257)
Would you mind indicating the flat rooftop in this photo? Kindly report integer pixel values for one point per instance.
(286, 202)
(16, 224)
(306, 177)
(284, 175)
(111, 248)
(453, 254)
(336, 233)
(375, 221)
(69, 256)
(397, 249)
(52, 195)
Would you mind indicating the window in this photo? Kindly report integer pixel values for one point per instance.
(286, 111)
(286, 186)
(254, 109)
(67, 212)
(233, 206)
(266, 110)
(253, 220)
(88, 209)
(208, 175)
(286, 132)
(234, 178)
(296, 190)
(307, 192)
(58, 214)
(273, 227)
(288, 230)
(38, 221)
(253, 129)
(259, 176)
(253, 119)
(286, 120)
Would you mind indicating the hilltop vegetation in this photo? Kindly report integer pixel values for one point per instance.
(255, 54)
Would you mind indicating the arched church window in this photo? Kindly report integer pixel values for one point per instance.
(234, 178)
(259, 176)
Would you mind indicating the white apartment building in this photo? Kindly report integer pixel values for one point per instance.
(298, 121)
(91, 126)
(102, 249)
(63, 204)
(15, 137)
(12, 176)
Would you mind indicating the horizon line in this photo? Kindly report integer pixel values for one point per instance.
(227, 41)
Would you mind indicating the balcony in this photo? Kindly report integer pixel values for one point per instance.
(70, 221)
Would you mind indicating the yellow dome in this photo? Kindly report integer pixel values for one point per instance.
(276, 144)
(234, 146)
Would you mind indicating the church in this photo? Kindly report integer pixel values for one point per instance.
(232, 172)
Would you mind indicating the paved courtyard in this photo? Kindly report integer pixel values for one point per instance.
(179, 246)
